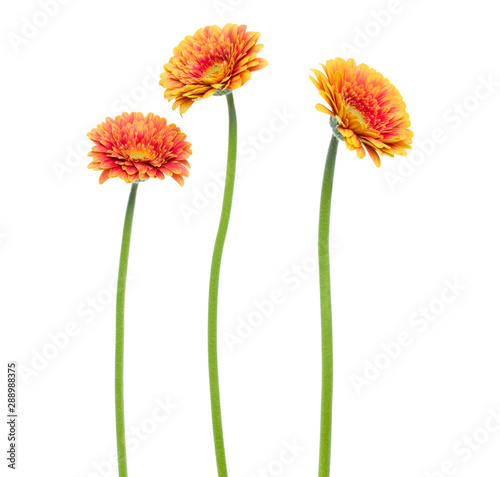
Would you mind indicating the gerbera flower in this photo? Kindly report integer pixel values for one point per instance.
(137, 147)
(367, 111)
(214, 59)
(134, 148)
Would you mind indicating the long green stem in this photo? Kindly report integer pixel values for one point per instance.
(120, 333)
(325, 443)
(220, 453)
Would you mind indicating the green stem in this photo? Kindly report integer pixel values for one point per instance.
(120, 333)
(220, 453)
(325, 443)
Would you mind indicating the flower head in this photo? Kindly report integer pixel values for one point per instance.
(211, 60)
(136, 147)
(366, 110)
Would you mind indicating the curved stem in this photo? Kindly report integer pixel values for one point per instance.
(120, 333)
(325, 443)
(220, 453)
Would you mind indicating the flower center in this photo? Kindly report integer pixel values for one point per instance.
(357, 114)
(211, 71)
(139, 155)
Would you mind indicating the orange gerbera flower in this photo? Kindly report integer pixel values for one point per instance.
(367, 111)
(214, 59)
(136, 147)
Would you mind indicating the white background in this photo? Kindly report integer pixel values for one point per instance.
(395, 245)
